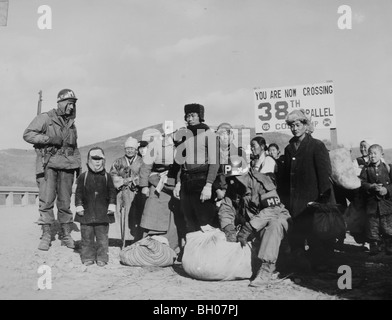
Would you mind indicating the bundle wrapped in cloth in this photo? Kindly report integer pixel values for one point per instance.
(147, 252)
(208, 256)
(343, 171)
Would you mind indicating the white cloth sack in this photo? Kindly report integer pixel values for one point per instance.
(208, 256)
(343, 170)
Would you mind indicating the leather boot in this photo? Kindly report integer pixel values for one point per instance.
(374, 248)
(264, 275)
(46, 238)
(67, 239)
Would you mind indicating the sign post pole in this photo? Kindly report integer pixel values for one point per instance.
(334, 138)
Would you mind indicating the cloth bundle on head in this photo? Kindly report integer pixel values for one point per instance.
(300, 115)
(224, 127)
(195, 107)
(131, 143)
(96, 153)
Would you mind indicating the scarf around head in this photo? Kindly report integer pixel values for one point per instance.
(96, 169)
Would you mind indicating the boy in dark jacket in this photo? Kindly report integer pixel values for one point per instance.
(376, 180)
(95, 202)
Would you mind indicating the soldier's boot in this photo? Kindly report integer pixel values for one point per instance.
(374, 248)
(67, 239)
(46, 238)
(388, 246)
(265, 275)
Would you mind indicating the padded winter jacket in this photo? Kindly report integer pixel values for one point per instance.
(46, 126)
(94, 193)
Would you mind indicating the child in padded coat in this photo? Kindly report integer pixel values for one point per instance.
(376, 180)
(95, 202)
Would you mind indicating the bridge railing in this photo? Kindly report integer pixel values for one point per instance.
(23, 196)
(18, 196)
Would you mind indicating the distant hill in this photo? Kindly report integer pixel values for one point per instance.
(17, 167)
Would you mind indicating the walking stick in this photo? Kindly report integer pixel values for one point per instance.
(122, 220)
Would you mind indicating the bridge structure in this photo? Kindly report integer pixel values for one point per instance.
(18, 196)
(21, 196)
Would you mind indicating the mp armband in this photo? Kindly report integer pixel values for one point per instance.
(270, 202)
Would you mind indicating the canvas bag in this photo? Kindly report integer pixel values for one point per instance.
(208, 256)
(343, 170)
(328, 221)
(152, 251)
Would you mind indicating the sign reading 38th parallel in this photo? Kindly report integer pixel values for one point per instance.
(274, 104)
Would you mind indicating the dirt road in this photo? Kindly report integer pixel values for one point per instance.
(20, 262)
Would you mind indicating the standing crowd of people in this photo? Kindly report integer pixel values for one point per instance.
(189, 176)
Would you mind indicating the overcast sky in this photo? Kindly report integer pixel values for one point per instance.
(135, 63)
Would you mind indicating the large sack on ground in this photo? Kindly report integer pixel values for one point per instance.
(328, 221)
(147, 252)
(208, 256)
(343, 171)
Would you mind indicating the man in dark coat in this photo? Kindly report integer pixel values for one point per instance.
(306, 179)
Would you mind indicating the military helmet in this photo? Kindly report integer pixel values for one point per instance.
(237, 166)
(66, 94)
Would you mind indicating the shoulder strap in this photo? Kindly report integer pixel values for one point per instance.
(85, 178)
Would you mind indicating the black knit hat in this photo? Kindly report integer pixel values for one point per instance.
(195, 107)
(143, 144)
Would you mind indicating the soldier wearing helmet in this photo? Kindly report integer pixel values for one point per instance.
(252, 206)
(54, 137)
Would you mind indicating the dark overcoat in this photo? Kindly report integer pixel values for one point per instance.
(306, 174)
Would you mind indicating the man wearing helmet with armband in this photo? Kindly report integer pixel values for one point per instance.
(54, 136)
(252, 205)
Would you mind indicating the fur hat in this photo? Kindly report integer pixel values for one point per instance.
(194, 107)
(298, 114)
